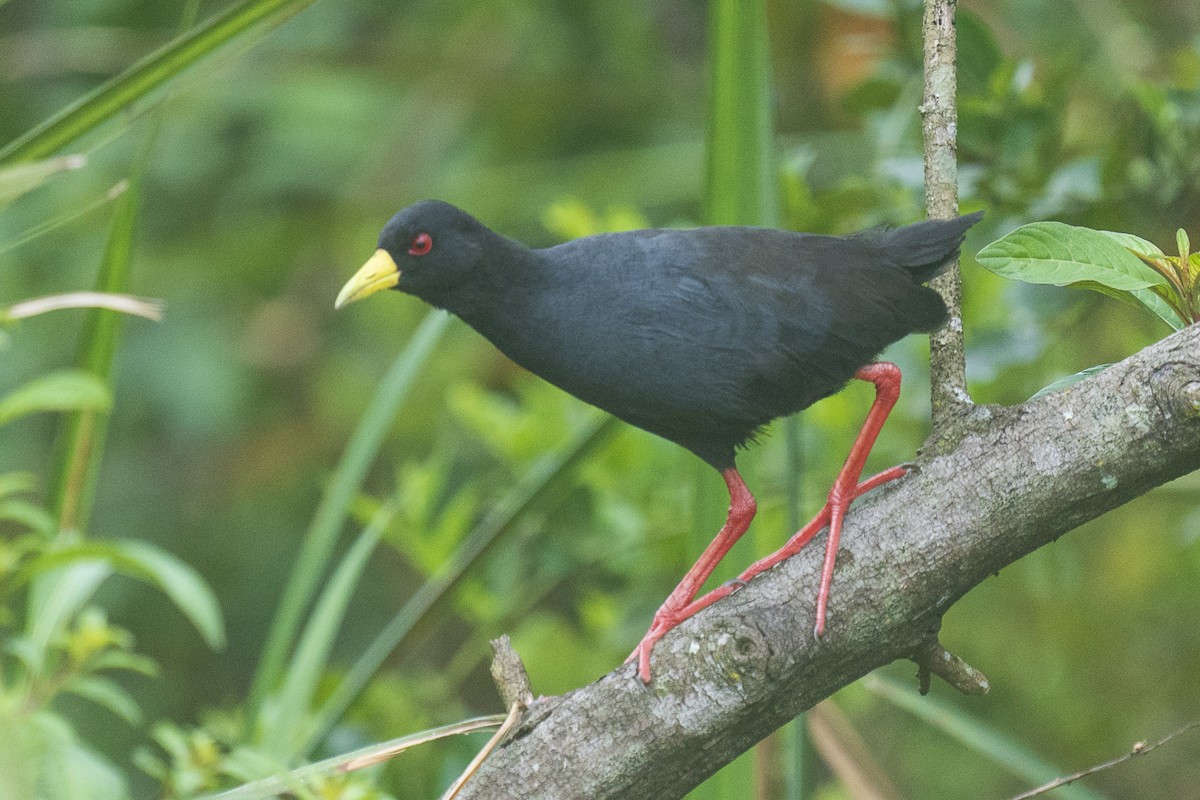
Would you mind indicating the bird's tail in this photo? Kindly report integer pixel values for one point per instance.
(925, 248)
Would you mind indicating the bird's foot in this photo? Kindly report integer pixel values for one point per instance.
(839, 502)
(664, 620)
(669, 616)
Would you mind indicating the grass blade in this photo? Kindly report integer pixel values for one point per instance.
(1011, 755)
(535, 486)
(294, 782)
(295, 698)
(742, 188)
(144, 77)
(23, 178)
(82, 439)
(331, 512)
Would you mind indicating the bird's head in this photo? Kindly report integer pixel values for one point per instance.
(427, 250)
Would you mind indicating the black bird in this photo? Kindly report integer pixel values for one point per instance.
(701, 336)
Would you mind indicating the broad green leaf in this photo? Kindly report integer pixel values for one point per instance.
(1135, 243)
(1146, 299)
(144, 77)
(22, 178)
(1059, 254)
(66, 390)
(1159, 307)
(1070, 380)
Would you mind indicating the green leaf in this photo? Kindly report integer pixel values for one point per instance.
(1070, 380)
(295, 782)
(97, 560)
(1159, 307)
(66, 390)
(1054, 253)
(124, 660)
(27, 514)
(1147, 298)
(1135, 243)
(55, 600)
(22, 178)
(17, 483)
(81, 445)
(178, 581)
(108, 694)
(144, 77)
(530, 491)
(62, 766)
(48, 223)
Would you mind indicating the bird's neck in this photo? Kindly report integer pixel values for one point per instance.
(499, 285)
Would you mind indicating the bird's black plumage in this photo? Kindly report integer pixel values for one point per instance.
(701, 336)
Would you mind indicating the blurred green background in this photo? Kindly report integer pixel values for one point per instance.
(278, 158)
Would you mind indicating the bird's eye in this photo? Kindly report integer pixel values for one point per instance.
(421, 244)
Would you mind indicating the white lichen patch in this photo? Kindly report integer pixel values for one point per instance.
(1138, 417)
(1108, 481)
(1047, 458)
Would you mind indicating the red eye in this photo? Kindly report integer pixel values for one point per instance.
(421, 244)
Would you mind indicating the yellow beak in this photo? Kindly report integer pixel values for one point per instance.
(379, 273)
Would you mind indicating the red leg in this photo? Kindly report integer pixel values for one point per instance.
(886, 378)
(846, 488)
(682, 602)
(679, 606)
(793, 546)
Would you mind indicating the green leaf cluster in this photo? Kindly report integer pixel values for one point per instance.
(1117, 264)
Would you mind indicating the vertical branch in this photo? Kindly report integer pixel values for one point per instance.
(939, 121)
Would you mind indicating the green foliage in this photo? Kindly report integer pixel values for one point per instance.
(161, 66)
(1051, 252)
(515, 510)
(64, 390)
(1117, 264)
(22, 178)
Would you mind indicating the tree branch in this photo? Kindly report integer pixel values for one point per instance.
(1004, 482)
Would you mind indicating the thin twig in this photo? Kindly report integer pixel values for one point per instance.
(1139, 748)
(514, 713)
(939, 124)
(508, 672)
(512, 682)
(937, 660)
